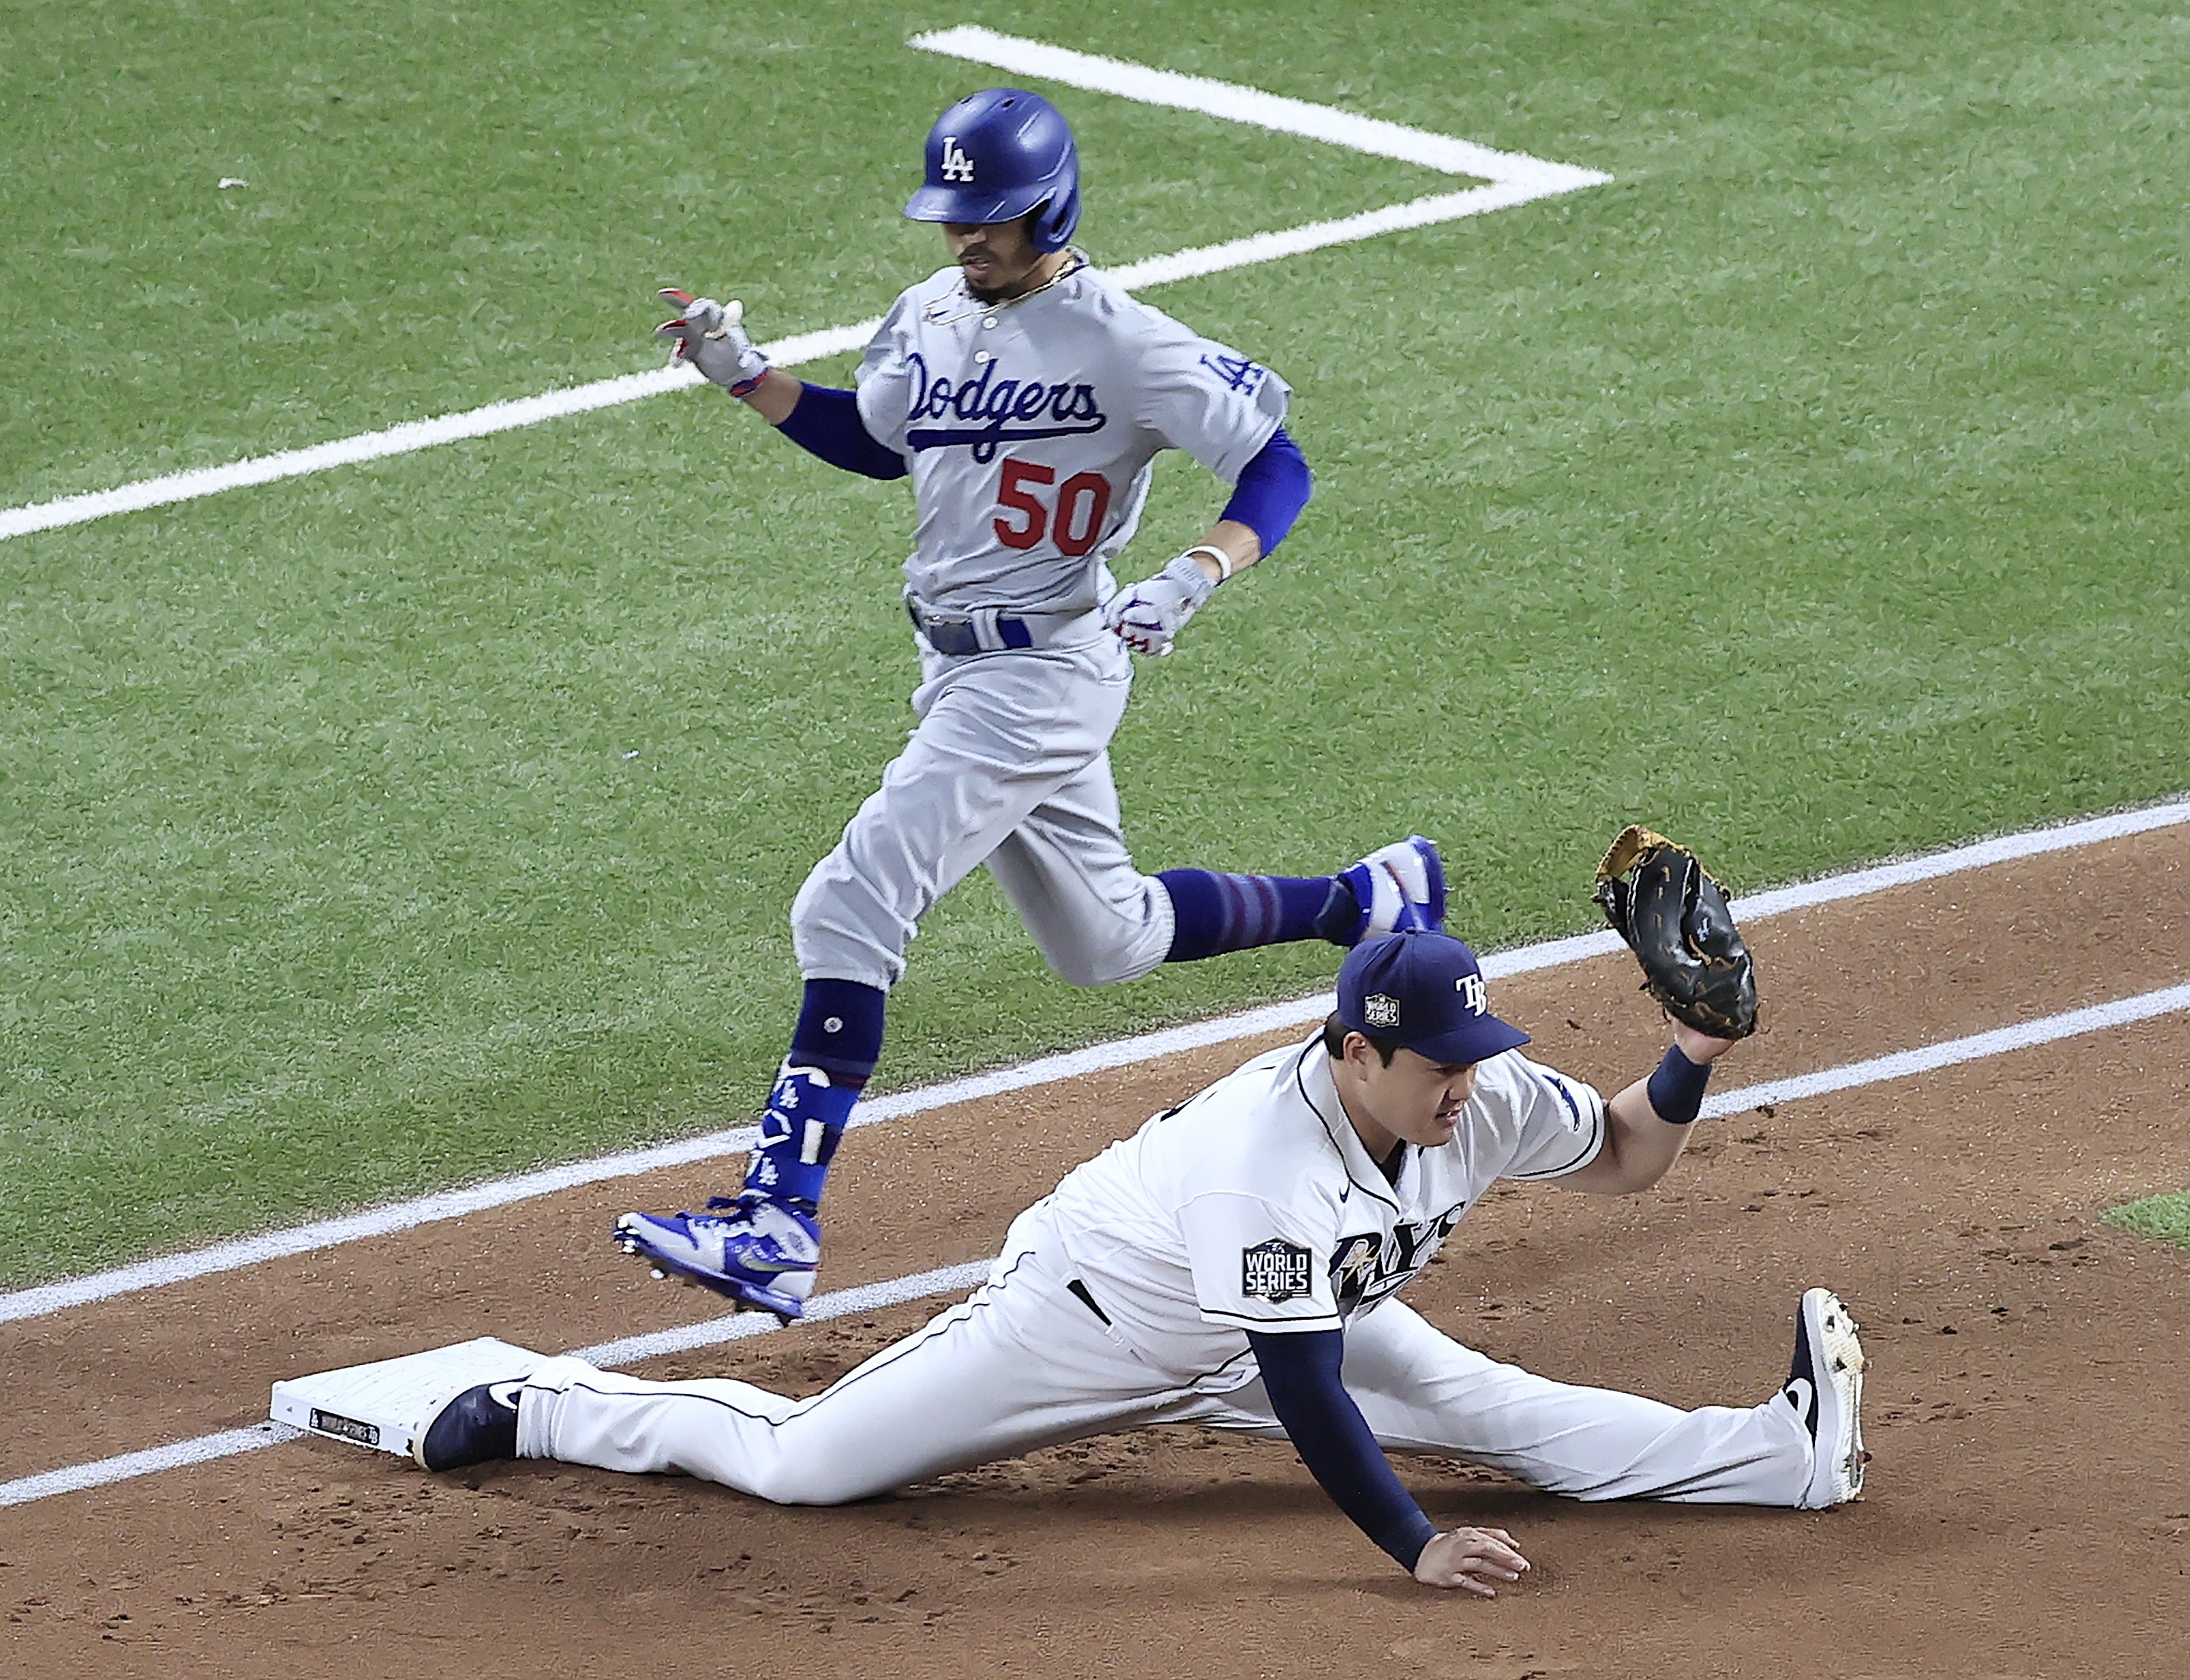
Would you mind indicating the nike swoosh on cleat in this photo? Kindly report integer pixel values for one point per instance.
(1801, 1394)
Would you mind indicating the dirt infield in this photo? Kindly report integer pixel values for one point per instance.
(2027, 1514)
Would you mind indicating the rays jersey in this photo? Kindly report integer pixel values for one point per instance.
(1255, 1206)
(1030, 427)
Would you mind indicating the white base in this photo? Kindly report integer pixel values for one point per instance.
(387, 1404)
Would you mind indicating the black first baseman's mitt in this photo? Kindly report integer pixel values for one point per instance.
(1675, 919)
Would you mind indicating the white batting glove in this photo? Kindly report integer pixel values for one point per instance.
(1148, 616)
(708, 336)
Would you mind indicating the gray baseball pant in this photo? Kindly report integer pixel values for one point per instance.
(1010, 767)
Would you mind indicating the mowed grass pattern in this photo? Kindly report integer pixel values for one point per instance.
(1814, 491)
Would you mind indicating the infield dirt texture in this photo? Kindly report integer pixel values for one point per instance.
(2023, 1517)
(1811, 489)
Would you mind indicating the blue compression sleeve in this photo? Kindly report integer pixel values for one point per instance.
(1300, 1374)
(1272, 488)
(826, 423)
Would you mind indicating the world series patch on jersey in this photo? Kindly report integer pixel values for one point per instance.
(1276, 1271)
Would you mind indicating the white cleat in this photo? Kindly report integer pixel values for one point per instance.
(758, 1252)
(1825, 1388)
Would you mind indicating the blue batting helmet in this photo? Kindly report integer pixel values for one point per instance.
(996, 155)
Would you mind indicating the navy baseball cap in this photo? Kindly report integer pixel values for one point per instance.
(1425, 990)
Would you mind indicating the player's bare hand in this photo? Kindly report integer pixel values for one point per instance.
(1148, 616)
(711, 337)
(1473, 1559)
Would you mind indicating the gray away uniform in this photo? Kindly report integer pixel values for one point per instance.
(1030, 429)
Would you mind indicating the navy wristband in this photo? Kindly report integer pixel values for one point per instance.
(1676, 1089)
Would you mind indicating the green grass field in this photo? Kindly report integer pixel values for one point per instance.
(1813, 490)
(2165, 1218)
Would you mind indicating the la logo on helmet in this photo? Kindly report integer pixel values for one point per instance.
(957, 165)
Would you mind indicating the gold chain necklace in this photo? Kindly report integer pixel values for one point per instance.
(928, 315)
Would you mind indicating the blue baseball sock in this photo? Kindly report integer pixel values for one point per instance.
(833, 1049)
(1211, 913)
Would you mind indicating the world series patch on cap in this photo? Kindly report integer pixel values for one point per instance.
(1424, 988)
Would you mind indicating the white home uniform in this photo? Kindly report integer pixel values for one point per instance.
(1029, 428)
(1124, 1299)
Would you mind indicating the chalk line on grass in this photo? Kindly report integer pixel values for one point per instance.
(175, 1268)
(1513, 179)
(955, 1279)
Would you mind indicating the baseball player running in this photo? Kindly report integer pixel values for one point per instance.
(1232, 1264)
(1026, 397)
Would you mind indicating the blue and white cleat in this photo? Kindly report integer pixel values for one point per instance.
(758, 1252)
(1825, 1388)
(1399, 887)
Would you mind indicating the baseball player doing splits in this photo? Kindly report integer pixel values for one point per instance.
(1026, 397)
(1232, 1264)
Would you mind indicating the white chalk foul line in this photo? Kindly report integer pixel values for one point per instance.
(1977, 1048)
(608, 1355)
(174, 1268)
(1252, 106)
(130, 1464)
(952, 1280)
(1514, 178)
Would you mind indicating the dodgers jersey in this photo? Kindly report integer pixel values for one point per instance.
(1256, 1206)
(1030, 426)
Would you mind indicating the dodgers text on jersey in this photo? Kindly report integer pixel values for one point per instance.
(996, 403)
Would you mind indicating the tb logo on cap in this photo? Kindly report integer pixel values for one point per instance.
(957, 166)
(1470, 988)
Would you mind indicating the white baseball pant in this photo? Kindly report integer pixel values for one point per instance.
(1023, 1364)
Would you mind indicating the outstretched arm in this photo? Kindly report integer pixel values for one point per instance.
(1647, 1124)
(819, 420)
(1300, 1376)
